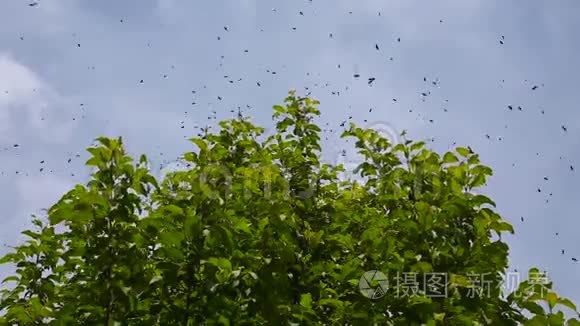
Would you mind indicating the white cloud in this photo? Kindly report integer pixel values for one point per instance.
(27, 103)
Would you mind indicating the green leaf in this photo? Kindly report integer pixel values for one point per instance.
(31, 234)
(360, 315)
(306, 300)
(222, 263)
(243, 225)
(192, 226)
(573, 322)
(551, 299)
(8, 258)
(538, 320)
(567, 303)
(278, 109)
(460, 280)
(416, 300)
(423, 267)
(479, 200)
(417, 146)
(331, 302)
(200, 143)
(556, 318)
(173, 210)
(226, 236)
(450, 158)
(11, 279)
(462, 151)
(474, 159)
(533, 307)
(223, 320)
(155, 279)
(502, 226)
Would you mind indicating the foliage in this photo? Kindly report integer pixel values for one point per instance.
(260, 231)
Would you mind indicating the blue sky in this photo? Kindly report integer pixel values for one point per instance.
(71, 71)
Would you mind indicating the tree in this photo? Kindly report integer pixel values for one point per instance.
(257, 230)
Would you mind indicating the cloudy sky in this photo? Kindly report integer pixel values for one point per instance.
(71, 71)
